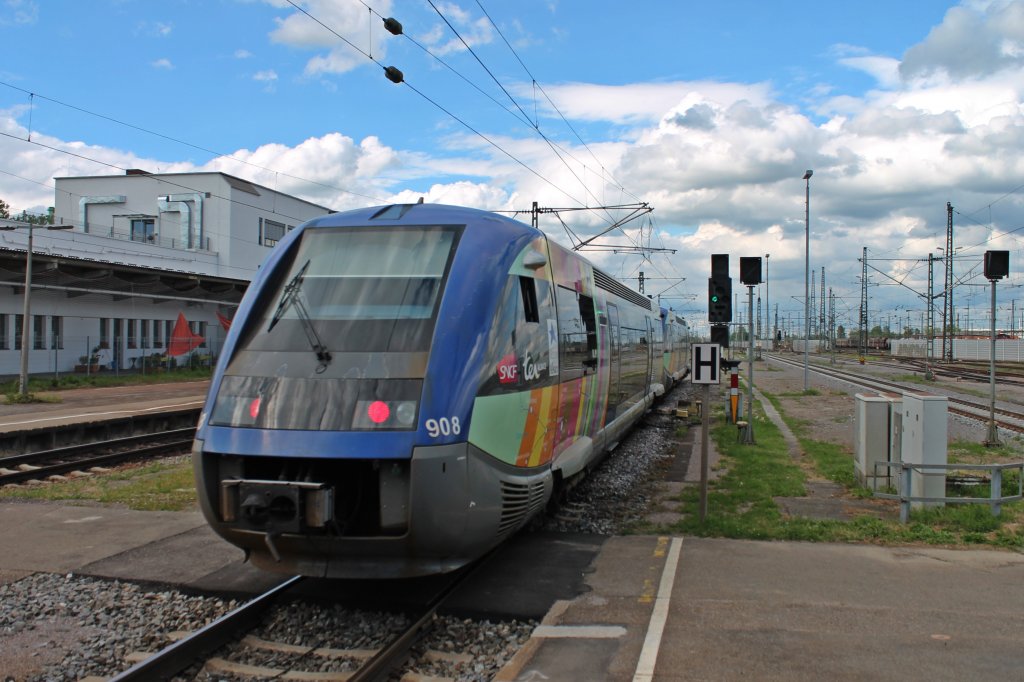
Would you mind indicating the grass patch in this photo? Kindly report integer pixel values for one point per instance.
(17, 398)
(801, 394)
(978, 453)
(39, 384)
(166, 485)
(741, 501)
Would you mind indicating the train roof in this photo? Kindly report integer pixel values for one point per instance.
(416, 214)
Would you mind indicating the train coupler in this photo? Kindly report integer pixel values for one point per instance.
(276, 506)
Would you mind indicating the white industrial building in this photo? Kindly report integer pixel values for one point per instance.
(141, 249)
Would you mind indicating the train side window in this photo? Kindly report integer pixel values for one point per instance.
(586, 304)
(529, 291)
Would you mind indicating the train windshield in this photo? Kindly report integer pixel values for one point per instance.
(360, 289)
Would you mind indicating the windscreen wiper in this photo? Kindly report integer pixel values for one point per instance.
(292, 298)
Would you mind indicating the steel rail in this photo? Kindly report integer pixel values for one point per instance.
(965, 406)
(71, 450)
(170, 661)
(89, 462)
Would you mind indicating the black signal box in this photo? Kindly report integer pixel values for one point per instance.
(720, 335)
(720, 265)
(719, 300)
(719, 290)
(750, 270)
(997, 264)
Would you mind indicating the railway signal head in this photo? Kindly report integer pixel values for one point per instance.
(719, 300)
(997, 264)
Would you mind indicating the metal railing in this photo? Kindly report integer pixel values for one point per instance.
(995, 499)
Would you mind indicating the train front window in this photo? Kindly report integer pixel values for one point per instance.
(363, 289)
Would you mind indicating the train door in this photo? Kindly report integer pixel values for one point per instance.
(614, 364)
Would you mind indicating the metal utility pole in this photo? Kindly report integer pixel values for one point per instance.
(813, 309)
(760, 329)
(863, 333)
(993, 431)
(767, 306)
(832, 324)
(947, 306)
(930, 347)
(822, 328)
(748, 432)
(807, 270)
(997, 266)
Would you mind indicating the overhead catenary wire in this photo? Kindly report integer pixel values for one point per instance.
(538, 86)
(186, 143)
(535, 126)
(518, 113)
(161, 178)
(399, 78)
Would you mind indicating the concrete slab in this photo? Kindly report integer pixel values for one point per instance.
(801, 611)
(58, 537)
(185, 558)
(528, 574)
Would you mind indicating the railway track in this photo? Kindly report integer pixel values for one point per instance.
(973, 373)
(1005, 419)
(199, 650)
(83, 457)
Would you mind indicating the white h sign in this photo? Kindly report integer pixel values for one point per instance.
(704, 363)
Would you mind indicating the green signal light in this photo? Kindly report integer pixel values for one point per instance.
(714, 299)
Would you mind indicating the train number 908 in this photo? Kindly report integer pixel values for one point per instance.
(443, 427)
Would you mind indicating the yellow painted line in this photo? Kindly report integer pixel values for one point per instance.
(659, 616)
(579, 631)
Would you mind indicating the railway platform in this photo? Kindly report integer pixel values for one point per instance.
(83, 405)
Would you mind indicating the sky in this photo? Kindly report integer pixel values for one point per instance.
(708, 112)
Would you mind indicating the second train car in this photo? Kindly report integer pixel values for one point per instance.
(404, 386)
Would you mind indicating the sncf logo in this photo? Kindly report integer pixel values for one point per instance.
(508, 370)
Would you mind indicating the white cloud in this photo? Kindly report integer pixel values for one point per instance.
(721, 162)
(883, 69)
(321, 28)
(637, 103)
(162, 63)
(977, 39)
(242, 54)
(19, 12)
(472, 31)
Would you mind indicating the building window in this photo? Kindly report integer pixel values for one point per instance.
(168, 330)
(5, 343)
(273, 231)
(104, 333)
(157, 336)
(57, 332)
(17, 331)
(143, 230)
(130, 332)
(144, 332)
(38, 332)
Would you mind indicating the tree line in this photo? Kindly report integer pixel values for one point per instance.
(25, 216)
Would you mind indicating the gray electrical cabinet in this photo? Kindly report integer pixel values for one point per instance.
(925, 425)
(871, 438)
(877, 438)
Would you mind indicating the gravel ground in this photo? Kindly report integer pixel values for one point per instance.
(829, 416)
(66, 627)
(620, 491)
